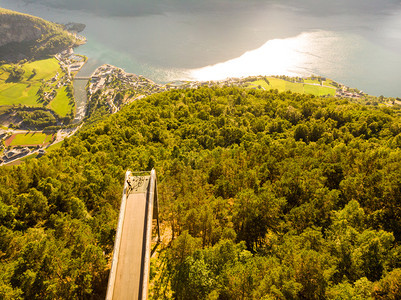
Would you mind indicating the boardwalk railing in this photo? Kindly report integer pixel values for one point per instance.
(129, 274)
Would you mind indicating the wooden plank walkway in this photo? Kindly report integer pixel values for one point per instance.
(128, 282)
(129, 273)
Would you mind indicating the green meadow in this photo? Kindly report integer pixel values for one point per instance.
(54, 146)
(36, 138)
(46, 69)
(19, 93)
(61, 103)
(308, 87)
(319, 90)
(25, 90)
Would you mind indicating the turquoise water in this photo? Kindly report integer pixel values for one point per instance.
(356, 43)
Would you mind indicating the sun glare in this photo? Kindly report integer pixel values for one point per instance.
(291, 57)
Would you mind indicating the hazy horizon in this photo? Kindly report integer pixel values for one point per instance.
(143, 7)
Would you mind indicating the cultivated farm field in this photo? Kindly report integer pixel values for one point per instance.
(37, 77)
(309, 86)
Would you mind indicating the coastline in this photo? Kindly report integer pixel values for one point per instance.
(119, 88)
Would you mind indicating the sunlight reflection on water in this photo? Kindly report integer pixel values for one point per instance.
(357, 45)
(302, 55)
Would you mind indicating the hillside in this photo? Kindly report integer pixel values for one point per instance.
(262, 195)
(25, 37)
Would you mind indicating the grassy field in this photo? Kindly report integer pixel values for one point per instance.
(308, 87)
(60, 103)
(54, 146)
(19, 93)
(46, 69)
(25, 92)
(319, 90)
(29, 139)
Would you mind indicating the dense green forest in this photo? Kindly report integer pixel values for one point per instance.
(263, 195)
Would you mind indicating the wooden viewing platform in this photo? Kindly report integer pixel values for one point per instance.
(129, 274)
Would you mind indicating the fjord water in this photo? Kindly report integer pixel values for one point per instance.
(357, 43)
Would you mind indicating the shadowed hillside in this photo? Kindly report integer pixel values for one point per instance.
(25, 37)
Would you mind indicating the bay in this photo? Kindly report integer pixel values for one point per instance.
(355, 42)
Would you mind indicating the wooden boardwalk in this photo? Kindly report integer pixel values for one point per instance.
(129, 274)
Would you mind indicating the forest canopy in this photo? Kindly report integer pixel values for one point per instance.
(263, 195)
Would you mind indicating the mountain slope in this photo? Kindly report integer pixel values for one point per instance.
(24, 37)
